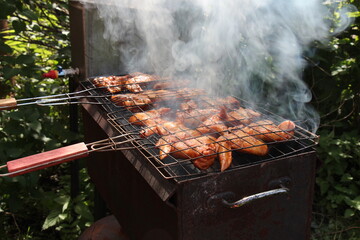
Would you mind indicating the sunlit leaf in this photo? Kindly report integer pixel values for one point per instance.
(83, 210)
(52, 219)
(64, 201)
(354, 14)
(349, 213)
(36, 126)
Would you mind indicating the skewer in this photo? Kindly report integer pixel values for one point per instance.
(68, 98)
(65, 98)
(61, 155)
(58, 99)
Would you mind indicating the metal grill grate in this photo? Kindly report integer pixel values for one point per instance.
(183, 169)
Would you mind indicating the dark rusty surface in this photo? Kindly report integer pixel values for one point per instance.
(276, 217)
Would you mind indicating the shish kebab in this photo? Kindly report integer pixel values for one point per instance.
(133, 83)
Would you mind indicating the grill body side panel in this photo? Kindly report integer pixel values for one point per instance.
(276, 217)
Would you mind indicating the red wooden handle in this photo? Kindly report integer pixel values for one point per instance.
(47, 159)
(8, 104)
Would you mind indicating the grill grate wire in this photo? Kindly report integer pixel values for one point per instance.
(183, 169)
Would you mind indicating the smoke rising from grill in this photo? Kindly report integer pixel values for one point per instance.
(250, 49)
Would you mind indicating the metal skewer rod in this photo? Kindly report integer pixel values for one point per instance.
(58, 99)
(65, 154)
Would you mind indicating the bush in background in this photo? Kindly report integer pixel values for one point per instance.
(34, 39)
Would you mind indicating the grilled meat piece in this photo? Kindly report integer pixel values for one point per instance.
(136, 80)
(223, 149)
(132, 82)
(193, 118)
(140, 101)
(161, 95)
(229, 103)
(188, 105)
(242, 116)
(214, 124)
(171, 84)
(267, 131)
(287, 126)
(112, 83)
(165, 128)
(154, 124)
(132, 101)
(202, 148)
(189, 93)
(143, 100)
(148, 118)
(243, 142)
(238, 141)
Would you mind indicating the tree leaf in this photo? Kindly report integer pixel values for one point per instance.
(354, 203)
(14, 152)
(349, 213)
(4, 48)
(63, 216)
(324, 186)
(36, 28)
(18, 26)
(83, 211)
(64, 201)
(346, 178)
(36, 126)
(25, 59)
(6, 9)
(30, 14)
(52, 219)
(10, 72)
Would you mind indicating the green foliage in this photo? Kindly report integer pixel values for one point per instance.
(338, 178)
(35, 205)
(334, 228)
(337, 199)
(69, 216)
(336, 89)
(32, 206)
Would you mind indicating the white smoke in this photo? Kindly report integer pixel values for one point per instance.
(251, 49)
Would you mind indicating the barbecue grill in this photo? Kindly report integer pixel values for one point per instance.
(174, 200)
(257, 197)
